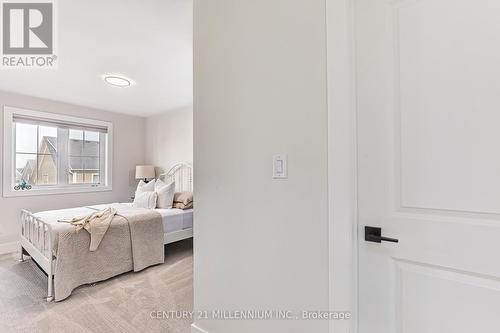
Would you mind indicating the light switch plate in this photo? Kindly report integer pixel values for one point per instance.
(280, 166)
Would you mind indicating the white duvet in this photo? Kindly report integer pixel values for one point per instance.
(173, 219)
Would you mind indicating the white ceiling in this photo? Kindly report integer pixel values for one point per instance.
(147, 41)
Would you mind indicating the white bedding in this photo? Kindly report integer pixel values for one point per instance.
(173, 219)
(176, 219)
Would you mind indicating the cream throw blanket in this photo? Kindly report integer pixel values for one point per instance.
(96, 224)
(133, 241)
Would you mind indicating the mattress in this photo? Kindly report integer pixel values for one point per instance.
(176, 219)
(173, 219)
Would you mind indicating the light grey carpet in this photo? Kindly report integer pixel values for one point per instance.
(120, 304)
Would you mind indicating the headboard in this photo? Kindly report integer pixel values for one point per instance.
(182, 174)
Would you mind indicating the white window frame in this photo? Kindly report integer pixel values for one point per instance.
(9, 159)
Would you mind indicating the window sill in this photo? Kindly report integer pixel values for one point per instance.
(54, 191)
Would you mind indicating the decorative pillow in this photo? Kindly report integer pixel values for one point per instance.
(183, 200)
(165, 194)
(145, 187)
(180, 205)
(145, 200)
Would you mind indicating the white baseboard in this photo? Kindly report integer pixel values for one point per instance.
(196, 329)
(9, 247)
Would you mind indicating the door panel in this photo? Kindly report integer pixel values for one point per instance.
(433, 299)
(428, 98)
(447, 83)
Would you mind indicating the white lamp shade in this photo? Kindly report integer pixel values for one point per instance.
(144, 171)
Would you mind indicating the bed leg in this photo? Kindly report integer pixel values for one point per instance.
(21, 255)
(50, 296)
(50, 278)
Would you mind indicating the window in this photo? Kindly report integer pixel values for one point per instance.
(84, 163)
(47, 153)
(36, 154)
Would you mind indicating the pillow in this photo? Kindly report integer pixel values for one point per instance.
(145, 200)
(145, 187)
(180, 205)
(165, 194)
(183, 200)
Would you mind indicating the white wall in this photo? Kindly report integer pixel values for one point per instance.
(260, 89)
(169, 138)
(128, 147)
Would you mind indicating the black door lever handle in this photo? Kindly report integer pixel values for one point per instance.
(374, 234)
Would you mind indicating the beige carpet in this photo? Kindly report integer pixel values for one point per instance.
(120, 304)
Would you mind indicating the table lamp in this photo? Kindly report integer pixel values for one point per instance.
(144, 172)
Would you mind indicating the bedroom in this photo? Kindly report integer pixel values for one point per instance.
(236, 166)
(113, 110)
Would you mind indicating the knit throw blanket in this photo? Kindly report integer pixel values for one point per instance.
(96, 224)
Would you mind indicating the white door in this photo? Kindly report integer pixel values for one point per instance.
(428, 101)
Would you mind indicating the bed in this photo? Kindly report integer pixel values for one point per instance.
(40, 231)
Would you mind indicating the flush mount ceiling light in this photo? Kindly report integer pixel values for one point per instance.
(118, 81)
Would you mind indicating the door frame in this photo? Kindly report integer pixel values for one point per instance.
(342, 163)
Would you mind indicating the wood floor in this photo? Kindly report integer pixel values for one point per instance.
(121, 304)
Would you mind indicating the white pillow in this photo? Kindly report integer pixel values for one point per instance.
(165, 193)
(145, 200)
(145, 187)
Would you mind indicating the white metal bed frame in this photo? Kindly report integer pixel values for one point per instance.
(36, 235)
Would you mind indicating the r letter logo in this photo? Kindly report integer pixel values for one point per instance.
(28, 29)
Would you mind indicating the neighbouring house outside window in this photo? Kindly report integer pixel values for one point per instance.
(55, 153)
